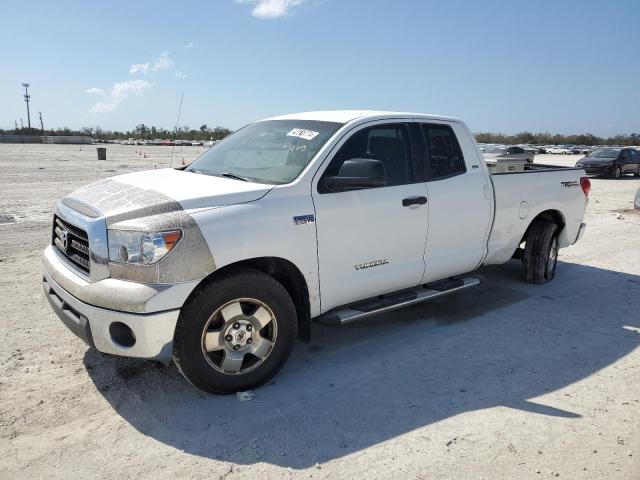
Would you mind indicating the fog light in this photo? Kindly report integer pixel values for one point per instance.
(122, 335)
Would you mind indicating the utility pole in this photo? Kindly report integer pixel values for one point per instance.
(21, 124)
(41, 124)
(26, 99)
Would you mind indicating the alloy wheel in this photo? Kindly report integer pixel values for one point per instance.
(239, 336)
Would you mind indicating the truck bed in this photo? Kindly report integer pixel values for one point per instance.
(521, 167)
(521, 196)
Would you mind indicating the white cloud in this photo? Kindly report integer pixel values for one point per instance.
(189, 46)
(139, 68)
(179, 74)
(163, 62)
(95, 91)
(271, 8)
(119, 92)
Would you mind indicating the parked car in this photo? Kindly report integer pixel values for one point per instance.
(575, 150)
(636, 202)
(614, 162)
(559, 150)
(218, 265)
(509, 153)
(529, 148)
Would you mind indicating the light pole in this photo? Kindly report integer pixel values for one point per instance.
(26, 99)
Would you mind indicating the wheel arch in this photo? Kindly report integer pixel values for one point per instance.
(283, 271)
(554, 216)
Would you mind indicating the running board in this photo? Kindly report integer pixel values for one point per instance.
(386, 303)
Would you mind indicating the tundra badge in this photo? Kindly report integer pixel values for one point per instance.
(375, 263)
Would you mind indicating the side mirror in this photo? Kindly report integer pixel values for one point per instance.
(358, 173)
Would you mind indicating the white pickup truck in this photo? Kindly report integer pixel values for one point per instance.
(331, 216)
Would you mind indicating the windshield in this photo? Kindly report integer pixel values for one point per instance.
(273, 151)
(496, 150)
(605, 153)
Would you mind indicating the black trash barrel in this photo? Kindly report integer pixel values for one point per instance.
(102, 153)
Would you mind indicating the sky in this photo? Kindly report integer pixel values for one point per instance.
(563, 66)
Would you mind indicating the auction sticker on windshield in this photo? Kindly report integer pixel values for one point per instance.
(302, 133)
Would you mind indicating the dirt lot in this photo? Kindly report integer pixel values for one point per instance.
(505, 381)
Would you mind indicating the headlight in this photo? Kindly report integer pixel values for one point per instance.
(143, 248)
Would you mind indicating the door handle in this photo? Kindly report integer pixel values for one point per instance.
(414, 201)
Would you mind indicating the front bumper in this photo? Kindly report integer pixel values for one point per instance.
(103, 304)
(598, 169)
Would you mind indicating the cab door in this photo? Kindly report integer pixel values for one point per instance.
(371, 241)
(460, 202)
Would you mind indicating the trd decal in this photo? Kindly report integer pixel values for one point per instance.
(571, 184)
(375, 263)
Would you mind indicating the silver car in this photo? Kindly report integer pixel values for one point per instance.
(636, 202)
(513, 152)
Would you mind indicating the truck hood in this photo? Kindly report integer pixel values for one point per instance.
(146, 193)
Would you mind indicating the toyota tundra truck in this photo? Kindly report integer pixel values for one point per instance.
(326, 216)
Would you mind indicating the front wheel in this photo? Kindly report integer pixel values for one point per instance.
(616, 172)
(235, 333)
(540, 252)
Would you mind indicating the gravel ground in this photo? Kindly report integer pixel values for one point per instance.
(509, 380)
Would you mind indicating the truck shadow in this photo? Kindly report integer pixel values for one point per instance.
(501, 344)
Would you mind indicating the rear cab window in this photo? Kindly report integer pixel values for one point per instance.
(444, 158)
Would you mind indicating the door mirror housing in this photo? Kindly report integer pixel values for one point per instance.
(358, 173)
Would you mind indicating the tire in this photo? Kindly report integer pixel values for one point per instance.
(540, 252)
(616, 172)
(244, 308)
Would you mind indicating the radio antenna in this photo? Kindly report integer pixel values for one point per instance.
(175, 131)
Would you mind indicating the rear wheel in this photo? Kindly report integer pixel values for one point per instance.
(235, 333)
(540, 254)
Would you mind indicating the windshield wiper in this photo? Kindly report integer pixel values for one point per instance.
(234, 176)
(221, 174)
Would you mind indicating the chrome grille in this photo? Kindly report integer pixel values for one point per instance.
(72, 242)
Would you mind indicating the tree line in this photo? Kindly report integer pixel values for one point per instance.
(556, 139)
(140, 131)
(203, 133)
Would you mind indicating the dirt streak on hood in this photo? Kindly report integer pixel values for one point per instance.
(145, 193)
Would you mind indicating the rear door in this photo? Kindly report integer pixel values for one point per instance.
(369, 242)
(635, 157)
(628, 161)
(624, 159)
(460, 201)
